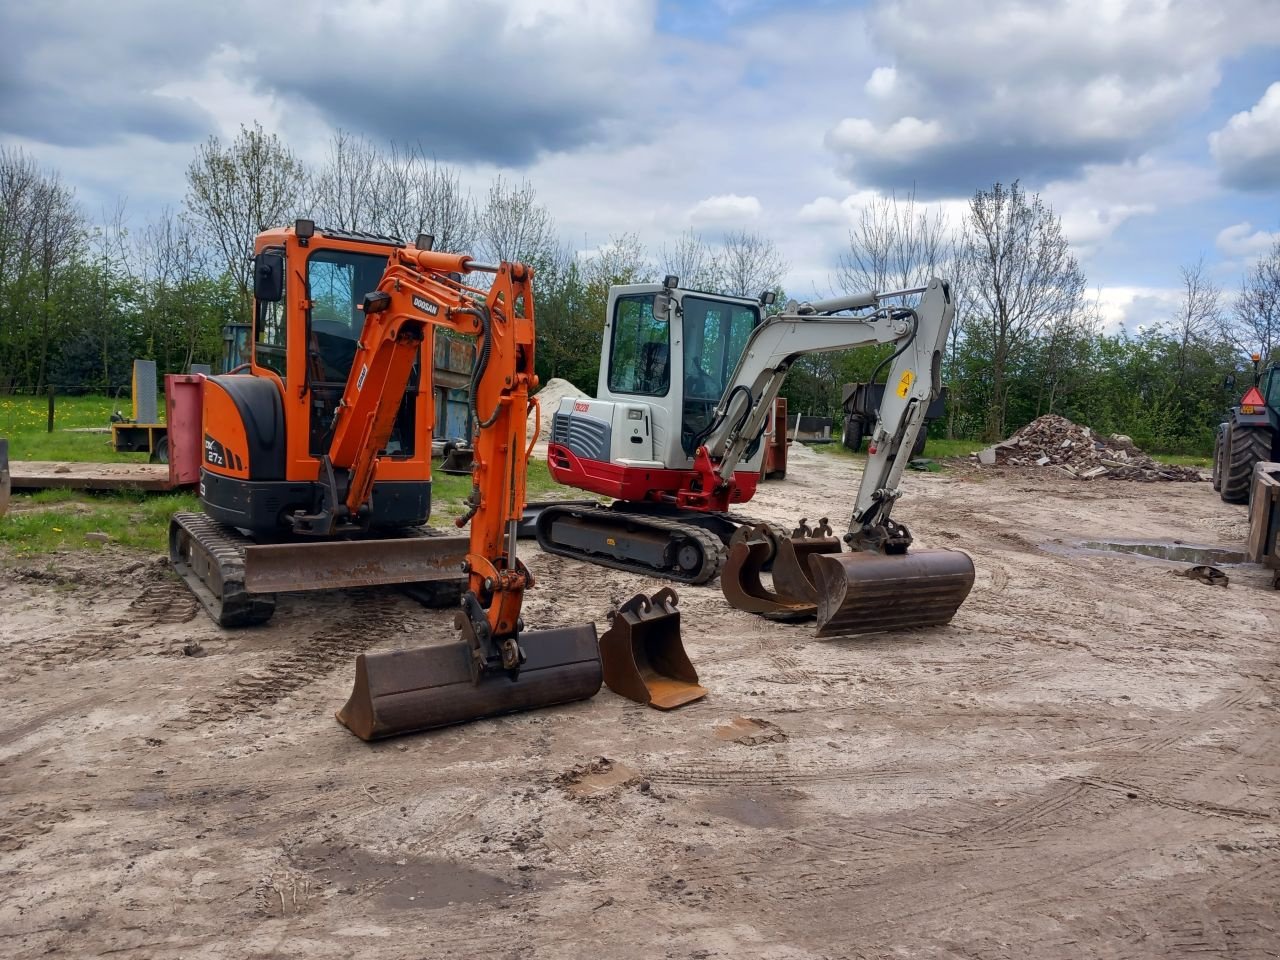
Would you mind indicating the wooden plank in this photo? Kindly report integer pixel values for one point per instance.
(71, 475)
(1262, 514)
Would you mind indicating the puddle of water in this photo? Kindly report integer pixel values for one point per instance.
(1167, 550)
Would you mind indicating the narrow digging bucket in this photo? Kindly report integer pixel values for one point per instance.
(865, 592)
(644, 656)
(405, 691)
(740, 582)
(792, 575)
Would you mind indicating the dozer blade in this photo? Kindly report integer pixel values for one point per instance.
(644, 657)
(740, 581)
(792, 575)
(862, 592)
(404, 691)
(335, 564)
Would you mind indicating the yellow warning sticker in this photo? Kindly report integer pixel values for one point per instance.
(904, 384)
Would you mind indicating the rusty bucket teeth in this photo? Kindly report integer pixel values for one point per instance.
(404, 691)
(644, 657)
(740, 581)
(866, 592)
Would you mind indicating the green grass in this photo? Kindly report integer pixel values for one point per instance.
(50, 520)
(1184, 460)
(24, 421)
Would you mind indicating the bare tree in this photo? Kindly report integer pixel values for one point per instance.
(345, 191)
(896, 244)
(1198, 317)
(693, 261)
(515, 226)
(1256, 313)
(750, 264)
(416, 194)
(1022, 280)
(171, 262)
(235, 192)
(42, 231)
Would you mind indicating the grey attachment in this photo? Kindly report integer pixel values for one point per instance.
(144, 375)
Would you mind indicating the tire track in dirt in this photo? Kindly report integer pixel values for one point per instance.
(134, 631)
(375, 614)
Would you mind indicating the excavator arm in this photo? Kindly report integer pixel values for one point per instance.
(421, 289)
(919, 335)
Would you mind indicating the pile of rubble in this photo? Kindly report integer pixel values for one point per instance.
(1076, 451)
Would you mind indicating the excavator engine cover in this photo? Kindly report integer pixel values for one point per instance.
(404, 691)
(644, 657)
(863, 592)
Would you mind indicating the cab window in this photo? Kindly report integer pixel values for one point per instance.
(270, 333)
(640, 352)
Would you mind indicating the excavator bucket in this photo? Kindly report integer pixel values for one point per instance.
(405, 691)
(863, 592)
(740, 581)
(458, 460)
(791, 573)
(644, 657)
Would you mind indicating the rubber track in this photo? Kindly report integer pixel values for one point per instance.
(1246, 446)
(713, 555)
(224, 547)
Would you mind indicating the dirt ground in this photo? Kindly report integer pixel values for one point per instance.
(1084, 764)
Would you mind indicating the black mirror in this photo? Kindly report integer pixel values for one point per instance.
(1229, 383)
(268, 277)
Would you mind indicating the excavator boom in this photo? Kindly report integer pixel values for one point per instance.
(497, 667)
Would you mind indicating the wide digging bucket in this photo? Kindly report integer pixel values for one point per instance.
(742, 587)
(792, 575)
(644, 657)
(864, 592)
(404, 691)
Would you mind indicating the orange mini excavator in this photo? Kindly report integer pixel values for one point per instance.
(317, 455)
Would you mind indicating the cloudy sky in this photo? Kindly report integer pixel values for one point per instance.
(1152, 126)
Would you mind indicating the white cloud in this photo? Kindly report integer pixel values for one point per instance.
(882, 82)
(1241, 240)
(728, 209)
(1247, 149)
(828, 211)
(905, 136)
(1094, 205)
(1136, 307)
(1035, 90)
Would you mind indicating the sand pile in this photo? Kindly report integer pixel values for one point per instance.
(552, 392)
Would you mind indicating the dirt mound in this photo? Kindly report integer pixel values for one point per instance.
(552, 392)
(1054, 441)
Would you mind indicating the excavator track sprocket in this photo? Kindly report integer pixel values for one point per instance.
(635, 542)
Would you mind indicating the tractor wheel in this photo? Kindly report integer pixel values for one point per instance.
(853, 434)
(1217, 456)
(1242, 448)
(917, 449)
